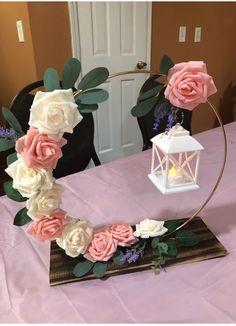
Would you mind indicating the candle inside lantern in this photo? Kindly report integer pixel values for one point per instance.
(172, 175)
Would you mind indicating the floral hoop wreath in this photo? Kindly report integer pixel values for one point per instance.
(52, 114)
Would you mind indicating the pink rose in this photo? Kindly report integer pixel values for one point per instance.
(39, 150)
(102, 246)
(189, 85)
(48, 227)
(123, 233)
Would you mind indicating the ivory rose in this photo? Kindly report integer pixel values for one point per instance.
(102, 246)
(39, 150)
(123, 233)
(49, 227)
(28, 181)
(75, 237)
(150, 228)
(189, 85)
(44, 203)
(54, 113)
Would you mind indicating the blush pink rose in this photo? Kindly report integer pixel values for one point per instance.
(102, 247)
(39, 150)
(123, 233)
(189, 85)
(48, 227)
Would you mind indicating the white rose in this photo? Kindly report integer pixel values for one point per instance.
(28, 181)
(150, 228)
(54, 113)
(44, 203)
(75, 237)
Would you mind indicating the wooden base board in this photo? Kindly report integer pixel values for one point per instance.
(61, 265)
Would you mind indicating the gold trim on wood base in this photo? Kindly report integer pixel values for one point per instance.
(61, 265)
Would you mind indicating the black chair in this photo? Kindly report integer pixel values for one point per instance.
(146, 123)
(79, 149)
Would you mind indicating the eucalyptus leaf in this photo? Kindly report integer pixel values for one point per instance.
(70, 73)
(99, 269)
(165, 64)
(171, 225)
(82, 268)
(93, 96)
(6, 144)
(87, 108)
(187, 238)
(118, 258)
(22, 217)
(13, 122)
(12, 193)
(154, 243)
(163, 247)
(142, 108)
(11, 158)
(172, 249)
(51, 80)
(94, 78)
(152, 92)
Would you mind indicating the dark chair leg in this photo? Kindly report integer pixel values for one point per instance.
(95, 158)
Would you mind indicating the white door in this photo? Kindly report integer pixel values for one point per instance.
(115, 35)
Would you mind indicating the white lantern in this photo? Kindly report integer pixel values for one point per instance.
(175, 161)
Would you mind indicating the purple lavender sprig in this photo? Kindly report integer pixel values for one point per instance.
(131, 255)
(7, 133)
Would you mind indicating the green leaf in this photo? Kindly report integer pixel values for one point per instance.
(99, 269)
(87, 108)
(152, 92)
(172, 249)
(11, 158)
(21, 217)
(142, 108)
(118, 258)
(94, 78)
(154, 242)
(93, 96)
(70, 74)
(82, 268)
(13, 122)
(163, 247)
(51, 80)
(187, 238)
(12, 193)
(6, 144)
(171, 225)
(165, 64)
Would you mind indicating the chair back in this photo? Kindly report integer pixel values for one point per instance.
(79, 149)
(146, 123)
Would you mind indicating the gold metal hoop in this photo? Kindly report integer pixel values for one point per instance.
(122, 73)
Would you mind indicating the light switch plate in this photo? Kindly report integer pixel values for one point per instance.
(20, 31)
(197, 34)
(182, 33)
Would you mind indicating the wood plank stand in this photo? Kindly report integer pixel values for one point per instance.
(61, 265)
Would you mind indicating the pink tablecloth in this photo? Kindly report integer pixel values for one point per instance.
(202, 292)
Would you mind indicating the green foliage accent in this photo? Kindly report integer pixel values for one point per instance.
(172, 249)
(93, 96)
(82, 268)
(154, 243)
(161, 248)
(70, 74)
(11, 158)
(87, 108)
(165, 64)
(152, 92)
(6, 144)
(22, 217)
(187, 238)
(12, 193)
(171, 225)
(99, 269)
(51, 80)
(94, 78)
(13, 122)
(118, 258)
(142, 108)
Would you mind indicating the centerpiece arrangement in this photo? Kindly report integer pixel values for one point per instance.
(56, 111)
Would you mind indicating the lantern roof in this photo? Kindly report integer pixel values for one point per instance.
(177, 140)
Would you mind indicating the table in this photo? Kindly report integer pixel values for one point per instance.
(201, 292)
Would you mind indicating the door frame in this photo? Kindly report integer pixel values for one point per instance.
(75, 36)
